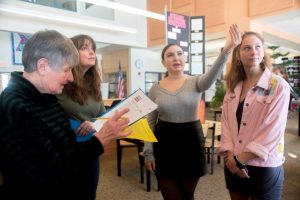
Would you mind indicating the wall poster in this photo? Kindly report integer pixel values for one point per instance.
(18, 41)
(178, 33)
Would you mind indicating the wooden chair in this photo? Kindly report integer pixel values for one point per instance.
(133, 143)
(212, 143)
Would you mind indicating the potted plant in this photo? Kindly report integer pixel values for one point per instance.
(217, 99)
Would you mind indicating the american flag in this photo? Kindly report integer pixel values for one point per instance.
(121, 93)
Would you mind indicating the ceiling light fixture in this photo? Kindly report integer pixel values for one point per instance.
(52, 17)
(125, 8)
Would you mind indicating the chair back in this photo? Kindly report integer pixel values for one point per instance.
(217, 128)
(205, 129)
(212, 143)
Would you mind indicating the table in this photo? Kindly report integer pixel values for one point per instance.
(108, 102)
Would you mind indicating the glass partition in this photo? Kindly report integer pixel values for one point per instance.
(80, 7)
(62, 4)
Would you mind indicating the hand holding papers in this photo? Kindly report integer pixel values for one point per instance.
(74, 125)
(139, 105)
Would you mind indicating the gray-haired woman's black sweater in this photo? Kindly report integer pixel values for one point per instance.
(38, 148)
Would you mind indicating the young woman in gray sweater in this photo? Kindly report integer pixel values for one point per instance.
(178, 158)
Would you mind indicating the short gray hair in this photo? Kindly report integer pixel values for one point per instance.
(50, 44)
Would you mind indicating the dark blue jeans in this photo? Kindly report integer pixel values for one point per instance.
(265, 183)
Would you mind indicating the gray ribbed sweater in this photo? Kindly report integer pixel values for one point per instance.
(182, 105)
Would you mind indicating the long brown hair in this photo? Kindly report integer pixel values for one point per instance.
(237, 72)
(89, 84)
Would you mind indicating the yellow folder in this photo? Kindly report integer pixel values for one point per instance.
(141, 130)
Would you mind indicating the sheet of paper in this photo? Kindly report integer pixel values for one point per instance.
(196, 24)
(139, 106)
(98, 123)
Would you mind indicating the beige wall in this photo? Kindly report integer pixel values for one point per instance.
(110, 62)
(219, 14)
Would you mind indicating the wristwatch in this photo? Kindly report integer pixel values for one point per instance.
(239, 164)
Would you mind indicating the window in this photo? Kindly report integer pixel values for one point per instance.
(151, 78)
(4, 78)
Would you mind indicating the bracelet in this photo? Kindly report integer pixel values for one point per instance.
(225, 157)
(239, 164)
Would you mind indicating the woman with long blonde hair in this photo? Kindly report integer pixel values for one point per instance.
(254, 115)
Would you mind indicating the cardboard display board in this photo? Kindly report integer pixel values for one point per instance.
(188, 33)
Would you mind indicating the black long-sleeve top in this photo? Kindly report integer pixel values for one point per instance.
(38, 148)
